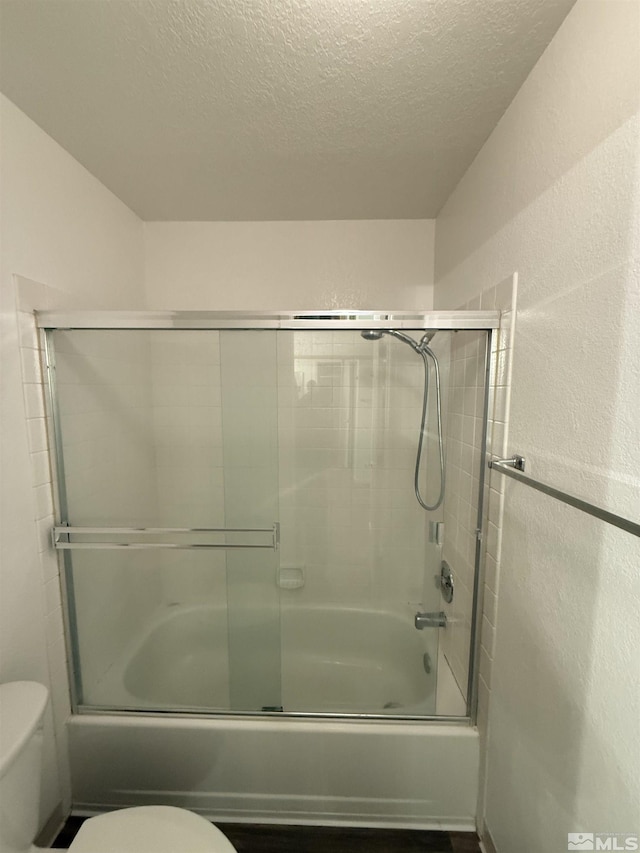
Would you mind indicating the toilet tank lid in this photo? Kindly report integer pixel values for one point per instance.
(22, 705)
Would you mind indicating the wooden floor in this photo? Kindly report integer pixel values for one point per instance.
(269, 838)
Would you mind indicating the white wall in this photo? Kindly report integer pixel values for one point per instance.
(275, 266)
(62, 228)
(554, 194)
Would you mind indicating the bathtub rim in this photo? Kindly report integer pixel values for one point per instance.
(465, 721)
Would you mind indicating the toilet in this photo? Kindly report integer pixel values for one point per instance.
(145, 829)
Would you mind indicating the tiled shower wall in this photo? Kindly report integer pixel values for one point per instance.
(464, 434)
(188, 458)
(464, 443)
(349, 416)
(502, 297)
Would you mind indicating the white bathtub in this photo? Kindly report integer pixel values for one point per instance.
(348, 660)
(279, 768)
(332, 660)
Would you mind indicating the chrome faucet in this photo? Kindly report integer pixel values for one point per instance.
(431, 620)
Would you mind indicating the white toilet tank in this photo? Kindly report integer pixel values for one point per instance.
(22, 706)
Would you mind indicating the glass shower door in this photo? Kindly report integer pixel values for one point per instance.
(248, 371)
(170, 558)
(352, 531)
(180, 452)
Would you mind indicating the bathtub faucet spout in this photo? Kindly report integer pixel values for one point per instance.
(431, 620)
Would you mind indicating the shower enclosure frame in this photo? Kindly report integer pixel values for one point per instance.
(330, 320)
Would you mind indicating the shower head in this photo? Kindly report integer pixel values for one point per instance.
(376, 334)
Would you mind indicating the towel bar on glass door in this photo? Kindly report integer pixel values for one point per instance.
(132, 532)
(514, 467)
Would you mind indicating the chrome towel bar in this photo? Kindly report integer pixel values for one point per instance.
(130, 533)
(514, 467)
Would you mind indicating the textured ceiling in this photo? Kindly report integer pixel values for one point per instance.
(273, 109)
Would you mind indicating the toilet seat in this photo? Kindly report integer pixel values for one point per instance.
(150, 829)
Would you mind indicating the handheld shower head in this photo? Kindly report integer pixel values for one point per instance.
(423, 350)
(376, 334)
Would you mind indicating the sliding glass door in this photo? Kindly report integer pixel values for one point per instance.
(243, 523)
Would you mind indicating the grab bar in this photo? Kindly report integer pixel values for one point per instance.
(514, 467)
(129, 532)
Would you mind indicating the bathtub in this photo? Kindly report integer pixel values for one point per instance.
(279, 768)
(333, 660)
(352, 660)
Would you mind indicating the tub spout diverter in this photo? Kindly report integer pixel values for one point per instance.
(431, 620)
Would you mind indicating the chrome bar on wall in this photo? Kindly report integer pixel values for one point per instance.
(131, 532)
(514, 468)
